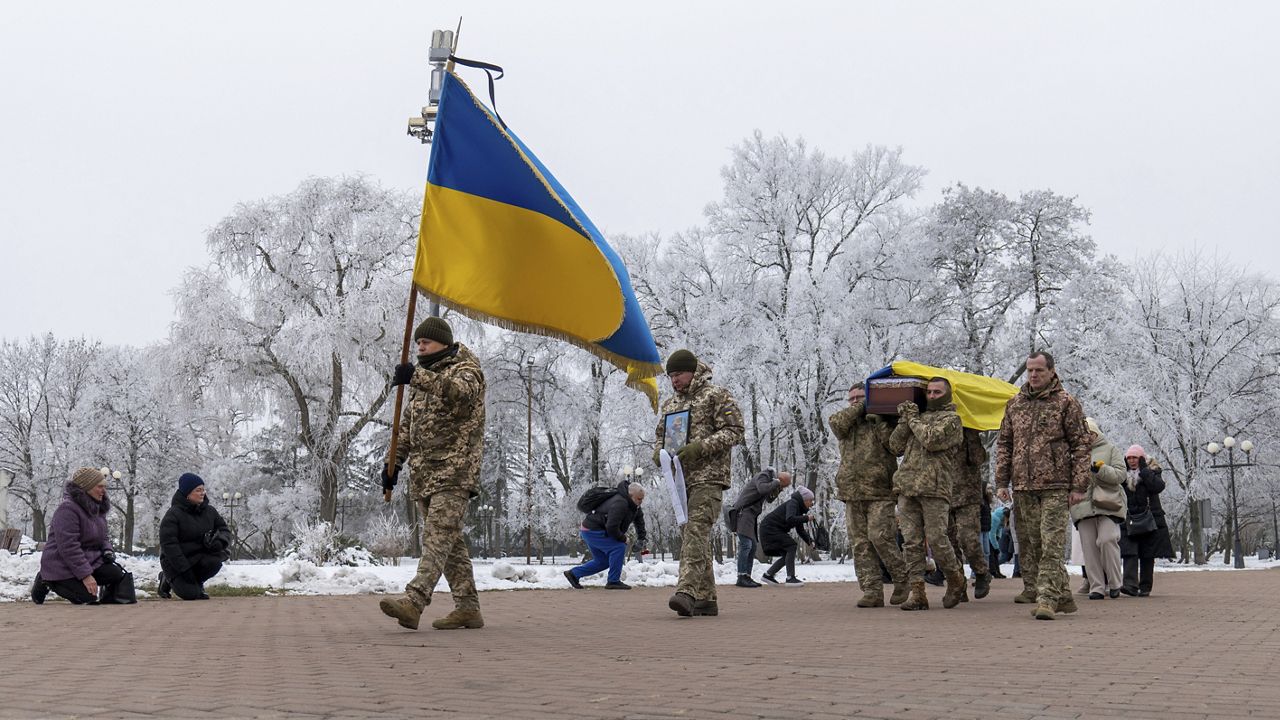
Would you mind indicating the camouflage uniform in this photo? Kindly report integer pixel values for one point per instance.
(443, 439)
(930, 443)
(716, 422)
(965, 530)
(1043, 453)
(864, 483)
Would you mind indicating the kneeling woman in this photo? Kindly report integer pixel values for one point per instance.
(775, 535)
(193, 541)
(77, 560)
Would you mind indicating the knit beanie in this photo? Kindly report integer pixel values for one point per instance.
(189, 482)
(805, 492)
(88, 478)
(434, 328)
(682, 361)
(1135, 451)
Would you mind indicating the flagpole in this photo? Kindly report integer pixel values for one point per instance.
(448, 41)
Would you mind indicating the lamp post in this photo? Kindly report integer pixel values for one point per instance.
(231, 502)
(343, 499)
(486, 519)
(528, 468)
(1229, 443)
(632, 474)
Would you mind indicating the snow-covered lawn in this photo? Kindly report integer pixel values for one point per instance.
(304, 578)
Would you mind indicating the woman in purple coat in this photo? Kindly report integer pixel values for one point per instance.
(77, 558)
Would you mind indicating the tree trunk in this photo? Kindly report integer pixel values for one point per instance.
(1197, 534)
(329, 490)
(128, 523)
(39, 532)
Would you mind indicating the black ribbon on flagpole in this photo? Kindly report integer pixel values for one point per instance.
(489, 69)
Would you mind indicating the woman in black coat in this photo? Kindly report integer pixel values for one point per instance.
(193, 541)
(1142, 488)
(775, 535)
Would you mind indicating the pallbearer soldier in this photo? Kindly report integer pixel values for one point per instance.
(443, 439)
(715, 426)
(865, 483)
(966, 512)
(1043, 452)
(930, 443)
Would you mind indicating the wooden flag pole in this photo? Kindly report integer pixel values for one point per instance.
(408, 326)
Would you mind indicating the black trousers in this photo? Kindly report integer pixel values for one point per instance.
(787, 557)
(1139, 574)
(189, 585)
(73, 590)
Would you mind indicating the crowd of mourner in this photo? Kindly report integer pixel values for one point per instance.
(917, 507)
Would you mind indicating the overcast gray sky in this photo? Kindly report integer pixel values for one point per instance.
(128, 129)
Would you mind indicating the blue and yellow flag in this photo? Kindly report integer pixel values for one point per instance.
(502, 241)
(979, 399)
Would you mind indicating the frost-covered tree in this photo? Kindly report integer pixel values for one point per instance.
(303, 302)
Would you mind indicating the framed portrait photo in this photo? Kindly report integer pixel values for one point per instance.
(676, 430)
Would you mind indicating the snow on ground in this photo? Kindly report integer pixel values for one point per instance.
(299, 577)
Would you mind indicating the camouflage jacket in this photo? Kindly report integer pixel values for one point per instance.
(714, 420)
(1043, 442)
(443, 427)
(930, 444)
(968, 487)
(866, 462)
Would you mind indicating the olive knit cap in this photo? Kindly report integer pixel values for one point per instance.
(434, 328)
(682, 361)
(88, 478)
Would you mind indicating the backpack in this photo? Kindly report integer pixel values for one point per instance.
(594, 498)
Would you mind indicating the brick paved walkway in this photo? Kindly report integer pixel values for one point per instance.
(1193, 650)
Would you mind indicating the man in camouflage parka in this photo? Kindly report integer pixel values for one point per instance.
(965, 531)
(715, 426)
(1043, 453)
(930, 443)
(442, 439)
(864, 483)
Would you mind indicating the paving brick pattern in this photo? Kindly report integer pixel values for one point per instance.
(1206, 645)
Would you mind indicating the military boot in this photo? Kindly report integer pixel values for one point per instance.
(682, 603)
(403, 610)
(918, 600)
(956, 589)
(872, 598)
(459, 619)
(901, 591)
(705, 608)
(1043, 611)
(1066, 605)
(1025, 597)
(981, 585)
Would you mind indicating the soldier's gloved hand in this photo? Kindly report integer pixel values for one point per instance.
(389, 479)
(657, 458)
(907, 410)
(874, 418)
(402, 375)
(692, 451)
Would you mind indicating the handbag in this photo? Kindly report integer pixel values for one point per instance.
(821, 538)
(121, 593)
(1108, 500)
(1141, 523)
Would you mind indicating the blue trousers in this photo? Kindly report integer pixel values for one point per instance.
(605, 553)
(746, 554)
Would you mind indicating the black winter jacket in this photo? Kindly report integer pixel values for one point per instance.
(188, 531)
(615, 515)
(1146, 493)
(775, 529)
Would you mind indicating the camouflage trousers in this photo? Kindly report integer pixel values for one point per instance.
(925, 519)
(697, 576)
(444, 551)
(1040, 517)
(873, 537)
(966, 536)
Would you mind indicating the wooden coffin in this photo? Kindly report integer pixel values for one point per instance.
(885, 394)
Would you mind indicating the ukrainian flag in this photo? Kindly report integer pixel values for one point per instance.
(979, 399)
(503, 241)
